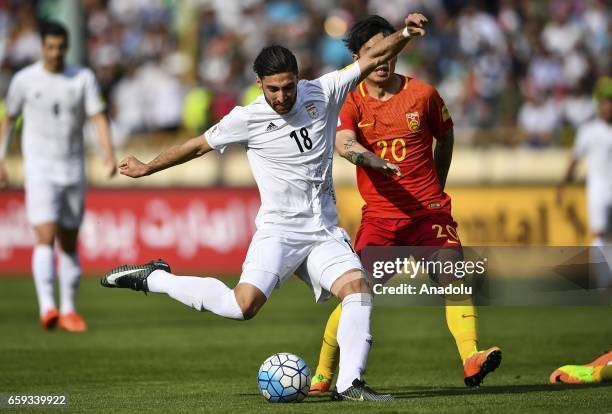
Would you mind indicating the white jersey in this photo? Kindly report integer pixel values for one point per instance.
(594, 143)
(291, 154)
(54, 108)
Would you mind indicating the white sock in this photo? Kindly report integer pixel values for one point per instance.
(200, 293)
(69, 277)
(354, 338)
(44, 277)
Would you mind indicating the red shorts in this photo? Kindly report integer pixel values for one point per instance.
(436, 230)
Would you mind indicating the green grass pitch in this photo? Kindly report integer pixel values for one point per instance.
(148, 353)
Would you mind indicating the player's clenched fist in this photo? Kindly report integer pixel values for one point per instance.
(414, 24)
(132, 167)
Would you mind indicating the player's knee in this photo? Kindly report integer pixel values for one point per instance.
(351, 282)
(249, 299)
(45, 234)
(249, 307)
(45, 241)
(249, 311)
(358, 286)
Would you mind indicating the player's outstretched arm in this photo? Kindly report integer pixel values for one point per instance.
(391, 45)
(6, 132)
(443, 154)
(103, 130)
(178, 154)
(348, 147)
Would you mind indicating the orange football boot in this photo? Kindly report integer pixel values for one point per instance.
(580, 374)
(576, 374)
(49, 319)
(72, 322)
(603, 359)
(476, 367)
(320, 383)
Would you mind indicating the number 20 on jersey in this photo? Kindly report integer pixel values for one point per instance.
(396, 148)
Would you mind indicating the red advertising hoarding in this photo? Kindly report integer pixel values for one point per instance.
(205, 231)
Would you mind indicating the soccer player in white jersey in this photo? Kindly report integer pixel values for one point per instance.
(55, 100)
(594, 143)
(289, 135)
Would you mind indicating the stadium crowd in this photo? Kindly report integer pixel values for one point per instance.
(513, 72)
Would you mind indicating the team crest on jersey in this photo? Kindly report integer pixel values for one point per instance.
(414, 122)
(312, 111)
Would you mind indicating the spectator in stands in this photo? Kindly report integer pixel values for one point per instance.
(538, 119)
(477, 52)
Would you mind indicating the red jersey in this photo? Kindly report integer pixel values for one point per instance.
(399, 130)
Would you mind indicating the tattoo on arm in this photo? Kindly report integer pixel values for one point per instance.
(356, 158)
(349, 143)
(365, 158)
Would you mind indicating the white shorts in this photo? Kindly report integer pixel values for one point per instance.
(318, 260)
(599, 214)
(48, 202)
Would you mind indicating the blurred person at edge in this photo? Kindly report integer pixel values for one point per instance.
(594, 145)
(55, 99)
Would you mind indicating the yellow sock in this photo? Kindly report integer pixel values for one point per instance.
(461, 320)
(328, 358)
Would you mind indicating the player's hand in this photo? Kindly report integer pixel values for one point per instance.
(3, 177)
(386, 167)
(111, 166)
(132, 167)
(415, 23)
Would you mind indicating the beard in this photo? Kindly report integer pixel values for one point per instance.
(281, 109)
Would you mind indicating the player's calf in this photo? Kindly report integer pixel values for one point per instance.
(354, 338)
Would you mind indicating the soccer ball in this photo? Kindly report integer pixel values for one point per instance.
(284, 378)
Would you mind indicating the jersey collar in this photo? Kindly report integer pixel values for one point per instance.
(363, 90)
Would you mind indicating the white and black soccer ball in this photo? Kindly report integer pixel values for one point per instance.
(284, 378)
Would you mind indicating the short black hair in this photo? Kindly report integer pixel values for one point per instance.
(275, 59)
(52, 28)
(364, 30)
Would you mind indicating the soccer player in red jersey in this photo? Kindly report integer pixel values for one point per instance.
(386, 128)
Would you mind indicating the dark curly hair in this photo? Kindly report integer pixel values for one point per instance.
(364, 30)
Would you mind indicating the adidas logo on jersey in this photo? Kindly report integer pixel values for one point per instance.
(271, 127)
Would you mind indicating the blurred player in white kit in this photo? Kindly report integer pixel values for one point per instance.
(55, 100)
(594, 144)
